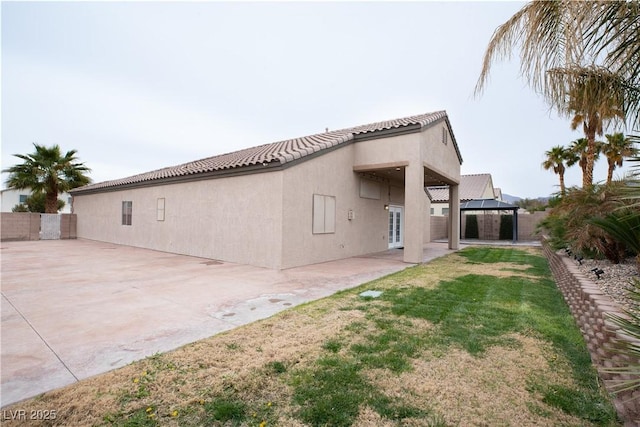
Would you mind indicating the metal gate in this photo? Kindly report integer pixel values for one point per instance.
(49, 227)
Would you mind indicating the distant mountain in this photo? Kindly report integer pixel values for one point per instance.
(510, 199)
(514, 199)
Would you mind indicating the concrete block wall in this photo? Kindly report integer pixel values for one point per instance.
(591, 309)
(68, 226)
(439, 227)
(20, 226)
(26, 226)
(489, 225)
(527, 224)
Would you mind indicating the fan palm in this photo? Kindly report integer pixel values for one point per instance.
(48, 171)
(574, 39)
(580, 150)
(615, 150)
(555, 159)
(594, 100)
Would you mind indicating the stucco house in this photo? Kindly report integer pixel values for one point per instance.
(472, 187)
(300, 201)
(12, 197)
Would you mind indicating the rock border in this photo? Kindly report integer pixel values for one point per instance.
(591, 309)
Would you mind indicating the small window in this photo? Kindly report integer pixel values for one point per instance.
(445, 211)
(324, 214)
(23, 198)
(432, 211)
(445, 136)
(127, 211)
(160, 210)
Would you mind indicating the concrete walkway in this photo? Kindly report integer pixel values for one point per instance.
(72, 309)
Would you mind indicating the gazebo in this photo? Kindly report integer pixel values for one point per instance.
(491, 205)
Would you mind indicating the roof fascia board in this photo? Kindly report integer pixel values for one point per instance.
(453, 137)
(384, 133)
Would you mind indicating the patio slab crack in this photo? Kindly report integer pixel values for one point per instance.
(39, 336)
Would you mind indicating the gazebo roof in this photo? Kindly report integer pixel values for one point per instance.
(487, 205)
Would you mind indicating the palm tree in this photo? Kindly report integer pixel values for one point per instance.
(597, 39)
(593, 102)
(556, 158)
(580, 149)
(616, 149)
(47, 171)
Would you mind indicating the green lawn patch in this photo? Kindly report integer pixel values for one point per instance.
(480, 337)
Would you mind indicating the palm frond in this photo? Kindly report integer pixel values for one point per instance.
(630, 325)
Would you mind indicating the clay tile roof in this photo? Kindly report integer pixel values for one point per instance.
(471, 187)
(277, 153)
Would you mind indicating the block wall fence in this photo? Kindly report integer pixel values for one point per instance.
(591, 309)
(26, 226)
(489, 226)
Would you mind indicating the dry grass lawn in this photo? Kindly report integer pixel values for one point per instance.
(396, 367)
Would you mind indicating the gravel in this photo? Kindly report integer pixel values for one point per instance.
(616, 281)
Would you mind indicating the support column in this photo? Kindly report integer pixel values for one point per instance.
(454, 217)
(414, 212)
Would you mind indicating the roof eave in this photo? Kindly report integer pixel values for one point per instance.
(220, 173)
(384, 133)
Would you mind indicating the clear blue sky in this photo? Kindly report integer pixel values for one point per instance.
(140, 86)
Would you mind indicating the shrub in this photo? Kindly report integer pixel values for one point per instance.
(570, 223)
(471, 229)
(506, 227)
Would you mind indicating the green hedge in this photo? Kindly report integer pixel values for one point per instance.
(506, 227)
(471, 229)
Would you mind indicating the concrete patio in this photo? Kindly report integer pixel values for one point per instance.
(72, 309)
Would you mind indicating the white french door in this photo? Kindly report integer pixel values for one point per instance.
(396, 224)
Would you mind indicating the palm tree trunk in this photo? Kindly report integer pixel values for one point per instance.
(562, 187)
(51, 204)
(610, 172)
(587, 172)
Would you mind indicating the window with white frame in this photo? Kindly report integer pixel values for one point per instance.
(127, 212)
(160, 210)
(23, 198)
(324, 214)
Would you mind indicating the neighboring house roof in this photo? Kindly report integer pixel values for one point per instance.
(471, 187)
(278, 154)
(497, 193)
(487, 205)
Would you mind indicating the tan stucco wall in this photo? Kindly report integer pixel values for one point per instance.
(415, 153)
(266, 219)
(236, 219)
(439, 157)
(332, 174)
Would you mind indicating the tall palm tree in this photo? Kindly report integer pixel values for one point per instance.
(616, 149)
(555, 159)
(580, 149)
(46, 170)
(575, 39)
(593, 101)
